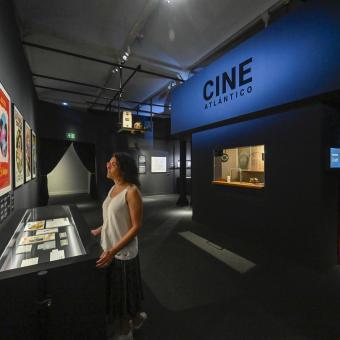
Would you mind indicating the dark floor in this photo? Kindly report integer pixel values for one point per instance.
(191, 295)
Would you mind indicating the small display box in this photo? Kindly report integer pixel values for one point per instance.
(242, 166)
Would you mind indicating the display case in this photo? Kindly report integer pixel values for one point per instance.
(42, 235)
(242, 166)
(51, 286)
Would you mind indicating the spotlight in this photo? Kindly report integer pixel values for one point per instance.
(64, 104)
(124, 57)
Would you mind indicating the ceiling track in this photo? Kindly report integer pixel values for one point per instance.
(102, 97)
(76, 55)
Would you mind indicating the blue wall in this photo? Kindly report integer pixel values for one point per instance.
(294, 58)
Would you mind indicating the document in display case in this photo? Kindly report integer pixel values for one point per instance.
(43, 234)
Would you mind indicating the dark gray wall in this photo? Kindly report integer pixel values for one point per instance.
(295, 215)
(99, 128)
(16, 78)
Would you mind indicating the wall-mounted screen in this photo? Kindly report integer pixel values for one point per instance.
(5, 142)
(18, 123)
(158, 164)
(334, 155)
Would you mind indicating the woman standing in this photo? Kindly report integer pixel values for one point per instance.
(122, 218)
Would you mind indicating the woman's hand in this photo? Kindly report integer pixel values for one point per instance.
(105, 259)
(96, 232)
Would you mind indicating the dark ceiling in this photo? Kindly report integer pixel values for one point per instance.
(170, 38)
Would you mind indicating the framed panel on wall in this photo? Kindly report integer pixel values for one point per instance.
(18, 146)
(141, 164)
(28, 153)
(141, 169)
(158, 164)
(5, 142)
(34, 155)
(141, 159)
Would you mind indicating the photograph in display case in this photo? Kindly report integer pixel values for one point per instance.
(18, 123)
(34, 155)
(5, 142)
(158, 164)
(28, 153)
(34, 225)
(36, 239)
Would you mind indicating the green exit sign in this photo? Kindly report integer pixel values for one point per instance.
(70, 135)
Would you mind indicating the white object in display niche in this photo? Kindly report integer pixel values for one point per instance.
(46, 231)
(127, 119)
(58, 222)
(158, 164)
(56, 254)
(34, 225)
(47, 245)
(29, 262)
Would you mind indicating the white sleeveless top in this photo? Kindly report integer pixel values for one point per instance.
(116, 223)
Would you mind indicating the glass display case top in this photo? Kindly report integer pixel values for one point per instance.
(44, 234)
(243, 166)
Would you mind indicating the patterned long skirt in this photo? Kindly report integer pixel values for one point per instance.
(124, 290)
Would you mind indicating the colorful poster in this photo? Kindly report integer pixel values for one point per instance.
(28, 153)
(5, 142)
(18, 123)
(34, 155)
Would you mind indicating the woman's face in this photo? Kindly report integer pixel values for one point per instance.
(113, 170)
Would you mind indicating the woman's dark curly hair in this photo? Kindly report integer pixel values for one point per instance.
(128, 167)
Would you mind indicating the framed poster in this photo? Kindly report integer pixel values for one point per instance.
(34, 155)
(158, 164)
(28, 153)
(18, 146)
(5, 142)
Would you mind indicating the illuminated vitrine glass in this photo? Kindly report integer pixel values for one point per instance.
(242, 166)
(44, 234)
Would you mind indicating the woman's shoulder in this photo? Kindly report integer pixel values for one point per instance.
(133, 189)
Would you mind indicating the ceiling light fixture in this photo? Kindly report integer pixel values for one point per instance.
(64, 104)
